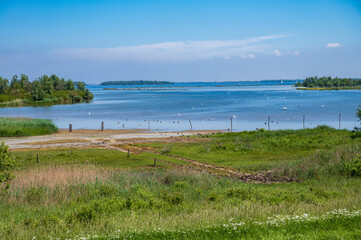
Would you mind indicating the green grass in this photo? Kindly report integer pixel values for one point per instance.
(16, 127)
(257, 150)
(97, 157)
(74, 193)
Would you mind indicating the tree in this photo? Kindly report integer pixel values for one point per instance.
(15, 83)
(3, 85)
(47, 85)
(80, 86)
(37, 91)
(24, 82)
(358, 113)
(70, 85)
(7, 165)
(88, 95)
(56, 82)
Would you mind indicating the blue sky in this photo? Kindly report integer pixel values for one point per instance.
(186, 40)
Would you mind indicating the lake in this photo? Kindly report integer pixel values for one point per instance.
(208, 105)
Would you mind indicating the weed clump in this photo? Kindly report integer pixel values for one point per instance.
(352, 167)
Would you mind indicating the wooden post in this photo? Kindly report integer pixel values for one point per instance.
(70, 128)
(339, 120)
(128, 153)
(231, 124)
(37, 158)
(304, 117)
(190, 122)
(102, 126)
(155, 161)
(269, 119)
(148, 125)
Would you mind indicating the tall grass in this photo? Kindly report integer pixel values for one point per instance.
(341, 161)
(16, 127)
(70, 201)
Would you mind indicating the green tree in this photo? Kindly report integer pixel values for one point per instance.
(24, 83)
(47, 85)
(56, 82)
(358, 113)
(15, 83)
(37, 91)
(80, 86)
(88, 95)
(7, 165)
(3, 85)
(70, 85)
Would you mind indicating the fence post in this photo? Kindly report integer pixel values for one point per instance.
(128, 154)
(70, 128)
(155, 161)
(102, 126)
(37, 158)
(269, 119)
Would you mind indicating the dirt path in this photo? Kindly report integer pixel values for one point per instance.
(258, 177)
(122, 140)
(90, 138)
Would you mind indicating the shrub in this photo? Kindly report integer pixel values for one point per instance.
(7, 165)
(85, 214)
(353, 167)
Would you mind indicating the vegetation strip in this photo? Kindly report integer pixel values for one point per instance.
(17, 127)
(44, 90)
(328, 83)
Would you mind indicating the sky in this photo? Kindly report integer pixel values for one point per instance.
(180, 40)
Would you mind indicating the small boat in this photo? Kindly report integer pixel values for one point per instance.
(284, 108)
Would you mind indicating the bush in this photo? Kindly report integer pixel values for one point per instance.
(353, 167)
(7, 165)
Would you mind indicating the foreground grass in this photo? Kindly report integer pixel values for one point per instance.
(99, 193)
(16, 127)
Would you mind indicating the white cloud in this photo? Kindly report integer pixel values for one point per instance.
(296, 53)
(247, 56)
(175, 51)
(333, 45)
(277, 53)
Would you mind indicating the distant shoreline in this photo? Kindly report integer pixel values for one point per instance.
(135, 82)
(169, 88)
(329, 88)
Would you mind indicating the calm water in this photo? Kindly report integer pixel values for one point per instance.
(208, 107)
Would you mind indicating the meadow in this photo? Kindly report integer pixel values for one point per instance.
(314, 191)
(16, 127)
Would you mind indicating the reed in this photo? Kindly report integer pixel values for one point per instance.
(16, 127)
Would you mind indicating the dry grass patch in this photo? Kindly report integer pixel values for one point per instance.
(59, 176)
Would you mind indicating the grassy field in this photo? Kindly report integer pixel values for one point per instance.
(104, 194)
(16, 127)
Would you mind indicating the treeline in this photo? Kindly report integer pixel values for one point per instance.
(45, 89)
(329, 82)
(136, 82)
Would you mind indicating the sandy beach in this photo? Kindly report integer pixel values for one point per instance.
(85, 138)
